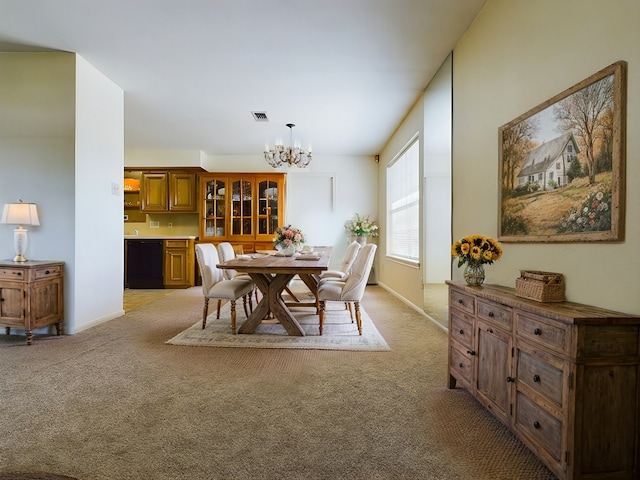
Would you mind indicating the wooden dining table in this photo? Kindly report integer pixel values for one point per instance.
(272, 273)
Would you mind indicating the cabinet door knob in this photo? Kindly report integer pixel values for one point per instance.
(471, 352)
(491, 314)
(460, 365)
(460, 301)
(490, 330)
(536, 378)
(461, 332)
(537, 331)
(536, 424)
(510, 379)
(46, 272)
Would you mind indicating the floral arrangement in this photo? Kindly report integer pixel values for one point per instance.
(594, 215)
(288, 236)
(476, 249)
(362, 226)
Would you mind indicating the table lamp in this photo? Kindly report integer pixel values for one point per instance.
(20, 214)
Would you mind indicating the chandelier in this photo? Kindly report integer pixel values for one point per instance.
(292, 155)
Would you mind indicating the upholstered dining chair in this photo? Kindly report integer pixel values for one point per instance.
(226, 251)
(351, 289)
(345, 265)
(215, 286)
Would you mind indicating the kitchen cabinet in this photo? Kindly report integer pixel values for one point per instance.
(159, 262)
(131, 192)
(242, 208)
(168, 191)
(178, 268)
(31, 296)
(564, 377)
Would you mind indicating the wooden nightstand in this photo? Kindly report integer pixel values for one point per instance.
(31, 295)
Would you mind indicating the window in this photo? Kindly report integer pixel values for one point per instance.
(403, 192)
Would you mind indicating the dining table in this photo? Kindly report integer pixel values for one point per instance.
(271, 272)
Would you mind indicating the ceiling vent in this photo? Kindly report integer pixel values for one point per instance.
(260, 116)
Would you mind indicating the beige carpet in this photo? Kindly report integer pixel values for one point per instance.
(339, 332)
(114, 402)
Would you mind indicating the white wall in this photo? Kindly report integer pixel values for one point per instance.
(99, 163)
(515, 56)
(37, 155)
(61, 147)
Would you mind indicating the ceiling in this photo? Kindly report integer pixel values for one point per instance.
(345, 72)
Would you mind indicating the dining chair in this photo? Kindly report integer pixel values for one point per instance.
(345, 265)
(226, 251)
(351, 289)
(215, 286)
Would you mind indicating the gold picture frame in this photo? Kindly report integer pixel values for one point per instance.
(562, 165)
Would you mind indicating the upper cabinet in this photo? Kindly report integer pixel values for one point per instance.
(132, 201)
(242, 208)
(168, 191)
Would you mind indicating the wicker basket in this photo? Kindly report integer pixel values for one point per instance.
(540, 286)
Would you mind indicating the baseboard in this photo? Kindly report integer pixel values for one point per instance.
(97, 321)
(412, 306)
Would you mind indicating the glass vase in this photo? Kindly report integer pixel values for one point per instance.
(474, 273)
(286, 250)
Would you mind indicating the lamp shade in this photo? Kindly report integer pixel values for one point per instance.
(20, 214)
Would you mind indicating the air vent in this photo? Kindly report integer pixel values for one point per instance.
(260, 116)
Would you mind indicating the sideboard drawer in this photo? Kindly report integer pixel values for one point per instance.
(461, 330)
(540, 426)
(553, 336)
(462, 301)
(498, 315)
(12, 274)
(540, 376)
(461, 364)
(47, 272)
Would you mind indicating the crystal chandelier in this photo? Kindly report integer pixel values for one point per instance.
(292, 155)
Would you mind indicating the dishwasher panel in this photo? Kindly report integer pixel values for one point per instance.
(144, 264)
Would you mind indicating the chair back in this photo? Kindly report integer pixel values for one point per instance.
(356, 282)
(350, 257)
(208, 259)
(227, 252)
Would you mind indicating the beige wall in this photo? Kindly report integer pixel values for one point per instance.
(403, 279)
(516, 55)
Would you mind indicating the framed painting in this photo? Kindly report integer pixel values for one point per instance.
(562, 165)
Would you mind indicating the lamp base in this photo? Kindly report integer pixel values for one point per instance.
(20, 241)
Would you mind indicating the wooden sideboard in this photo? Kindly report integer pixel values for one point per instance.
(564, 377)
(31, 295)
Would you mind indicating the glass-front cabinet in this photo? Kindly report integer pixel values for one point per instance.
(242, 201)
(268, 203)
(242, 208)
(215, 210)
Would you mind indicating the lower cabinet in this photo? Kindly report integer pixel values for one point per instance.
(31, 296)
(178, 269)
(564, 377)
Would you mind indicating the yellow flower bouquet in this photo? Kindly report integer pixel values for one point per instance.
(476, 249)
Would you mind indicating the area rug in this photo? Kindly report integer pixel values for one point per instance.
(339, 332)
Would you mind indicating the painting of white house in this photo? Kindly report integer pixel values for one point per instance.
(562, 165)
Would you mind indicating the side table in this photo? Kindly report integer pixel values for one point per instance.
(31, 295)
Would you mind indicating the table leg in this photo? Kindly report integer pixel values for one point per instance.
(271, 288)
